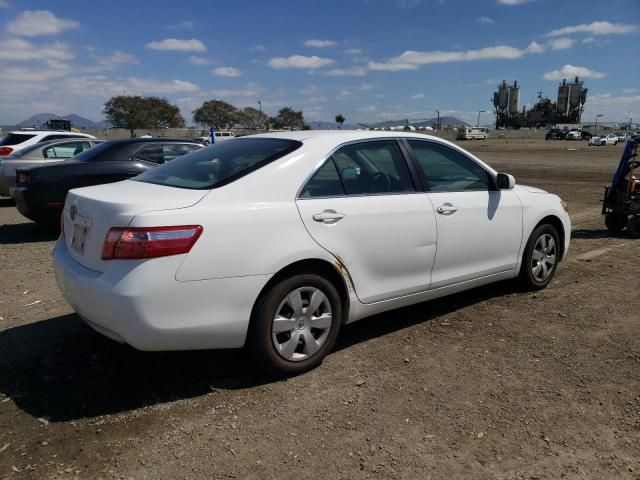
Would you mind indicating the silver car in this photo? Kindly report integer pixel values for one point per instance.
(42, 153)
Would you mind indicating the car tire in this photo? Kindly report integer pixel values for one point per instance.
(540, 258)
(285, 337)
(615, 222)
(633, 227)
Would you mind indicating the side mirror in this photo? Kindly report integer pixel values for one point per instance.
(504, 181)
(349, 173)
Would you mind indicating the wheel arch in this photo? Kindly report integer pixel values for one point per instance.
(335, 273)
(556, 223)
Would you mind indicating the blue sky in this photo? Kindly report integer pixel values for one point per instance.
(370, 60)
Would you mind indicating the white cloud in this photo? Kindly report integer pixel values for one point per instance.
(16, 50)
(588, 40)
(594, 28)
(366, 86)
(561, 43)
(512, 3)
(368, 109)
(299, 61)
(535, 47)
(227, 72)
(319, 43)
(353, 51)
(196, 60)
(347, 72)
(417, 96)
(486, 20)
(569, 71)
(4, 4)
(412, 60)
(116, 59)
(174, 44)
(249, 90)
(146, 85)
(185, 25)
(614, 107)
(32, 23)
(258, 48)
(630, 90)
(407, 3)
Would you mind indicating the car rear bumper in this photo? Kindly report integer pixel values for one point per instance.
(29, 204)
(142, 304)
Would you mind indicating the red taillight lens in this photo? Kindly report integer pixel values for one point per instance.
(149, 242)
(5, 151)
(24, 178)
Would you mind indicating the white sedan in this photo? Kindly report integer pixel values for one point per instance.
(274, 241)
(610, 139)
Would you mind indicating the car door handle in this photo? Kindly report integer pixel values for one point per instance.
(446, 209)
(328, 216)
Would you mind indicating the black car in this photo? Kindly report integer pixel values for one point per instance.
(40, 191)
(556, 134)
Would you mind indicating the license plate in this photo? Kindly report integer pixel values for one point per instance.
(81, 228)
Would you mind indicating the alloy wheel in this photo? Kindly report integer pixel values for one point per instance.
(543, 259)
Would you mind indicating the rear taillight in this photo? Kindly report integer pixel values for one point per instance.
(5, 151)
(149, 242)
(24, 178)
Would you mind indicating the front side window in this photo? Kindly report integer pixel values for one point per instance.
(373, 168)
(219, 164)
(448, 170)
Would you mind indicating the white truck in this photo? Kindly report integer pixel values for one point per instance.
(472, 133)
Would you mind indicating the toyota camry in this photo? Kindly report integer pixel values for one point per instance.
(272, 242)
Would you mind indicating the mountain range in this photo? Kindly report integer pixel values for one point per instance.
(76, 121)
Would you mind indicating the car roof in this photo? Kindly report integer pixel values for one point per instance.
(341, 136)
(45, 132)
(150, 140)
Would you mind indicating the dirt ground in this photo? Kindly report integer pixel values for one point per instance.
(495, 383)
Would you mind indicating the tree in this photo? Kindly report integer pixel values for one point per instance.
(131, 112)
(288, 118)
(252, 118)
(340, 120)
(216, 114)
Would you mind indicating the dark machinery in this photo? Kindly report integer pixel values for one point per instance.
(621, 204)
(566, 110)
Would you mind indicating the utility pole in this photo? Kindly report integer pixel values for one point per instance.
(596, 132)
(479, 112)
(260, 104)
(438, 113)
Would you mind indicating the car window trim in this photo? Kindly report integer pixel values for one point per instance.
(330, 156)
(492, 188)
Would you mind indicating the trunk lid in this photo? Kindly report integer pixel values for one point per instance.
(90, 212)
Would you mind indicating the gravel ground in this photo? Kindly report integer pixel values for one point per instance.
(495, 383)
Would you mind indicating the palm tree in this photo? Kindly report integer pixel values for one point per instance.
(340, 120)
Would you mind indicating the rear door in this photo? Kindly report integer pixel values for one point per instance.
(363, 207)
(479, 227)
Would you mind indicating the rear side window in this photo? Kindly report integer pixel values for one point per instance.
(15, 139)
(65, 150)
(448, 170)
(219, 164)
(324, 183)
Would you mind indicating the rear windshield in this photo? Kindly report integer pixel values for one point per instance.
(91, 153)
(219, 164)
(15, 138)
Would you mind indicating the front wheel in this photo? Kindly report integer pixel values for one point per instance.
(295, 324)
(633, 227)
(615, 222)
(541, 257)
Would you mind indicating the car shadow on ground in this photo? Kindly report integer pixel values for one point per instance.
(59, 369)
(17, 233)
(7, 202)
(597, 234)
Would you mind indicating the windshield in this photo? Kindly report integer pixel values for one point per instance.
(219, 164)
(15, 138)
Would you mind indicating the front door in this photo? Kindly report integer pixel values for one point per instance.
(479, 227)
(362, 206)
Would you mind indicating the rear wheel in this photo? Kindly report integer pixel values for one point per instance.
(615, 222)
(541, 257)
(295, 324)
(633, 227)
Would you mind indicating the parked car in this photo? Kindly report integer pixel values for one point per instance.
(43, 153)
(40, 191)
(574, 135)
(555, 134)
(274, 241)
(218, 135)
(20, 139)
(610, 139)
(622, 137)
